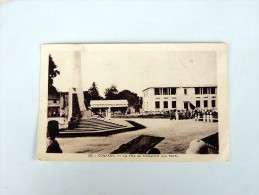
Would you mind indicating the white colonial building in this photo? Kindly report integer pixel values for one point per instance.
(168, 98)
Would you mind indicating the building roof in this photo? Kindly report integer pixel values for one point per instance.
(108, 103)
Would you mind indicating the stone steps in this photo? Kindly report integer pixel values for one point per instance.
(98, 123)
(94, 125)
(79, 130)
(100, 127)
(102, 122)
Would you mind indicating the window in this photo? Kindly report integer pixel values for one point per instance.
(53, 112)
(157, 91)
(157, 104)
(213, 90)
(197, 90)
(205, 103)
(173, 104)
(204, 90)
(185, 91)
(173, 91)
(198, 103)
(165, 104)
(213, 103)
(165, 91)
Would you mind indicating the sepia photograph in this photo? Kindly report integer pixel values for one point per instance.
(129, 97)
(140, 102)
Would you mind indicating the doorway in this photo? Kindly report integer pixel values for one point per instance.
(186, 105)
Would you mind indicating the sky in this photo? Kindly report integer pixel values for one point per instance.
(136, 70)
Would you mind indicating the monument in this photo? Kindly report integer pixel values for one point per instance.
(77, 88)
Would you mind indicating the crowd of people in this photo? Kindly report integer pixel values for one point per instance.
(197, 114)
(206, 115)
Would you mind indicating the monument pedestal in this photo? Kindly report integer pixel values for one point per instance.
(87, 114)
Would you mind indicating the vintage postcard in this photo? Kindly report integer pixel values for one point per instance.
(162, 102)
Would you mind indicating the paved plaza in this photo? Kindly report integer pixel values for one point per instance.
(178, 135)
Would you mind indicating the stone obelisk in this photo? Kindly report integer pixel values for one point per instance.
(78, 81)
(77, 86)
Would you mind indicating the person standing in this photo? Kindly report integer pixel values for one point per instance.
(208, 115)
(177, 115)
(211, 116)
(52, 133)
(196, 115)
(204, 115)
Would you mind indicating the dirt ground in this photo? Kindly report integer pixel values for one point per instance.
(177, 134)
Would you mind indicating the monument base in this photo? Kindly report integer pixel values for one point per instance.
(86, 114)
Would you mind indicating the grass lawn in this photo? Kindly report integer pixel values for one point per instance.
(178, 135)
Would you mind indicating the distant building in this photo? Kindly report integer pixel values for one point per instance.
(57, 108)
(109, 107)
(54, 105)
(168, 98)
